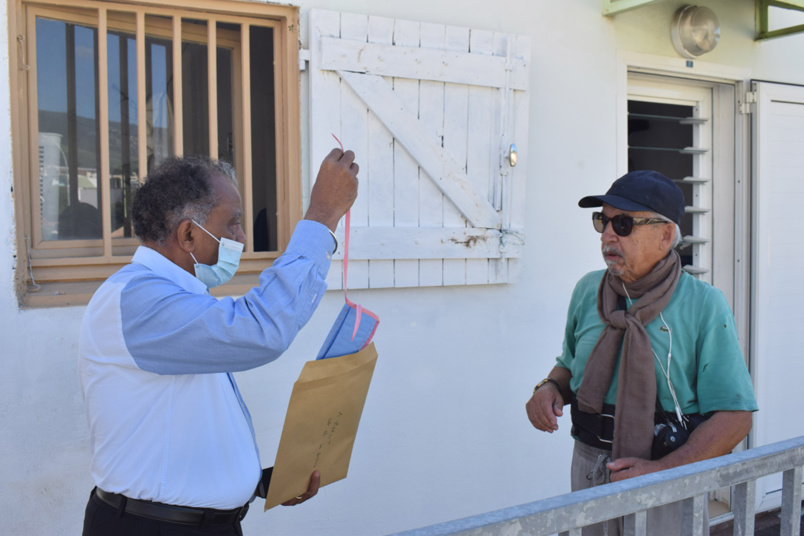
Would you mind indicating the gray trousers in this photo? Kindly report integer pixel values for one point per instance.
(589, 469)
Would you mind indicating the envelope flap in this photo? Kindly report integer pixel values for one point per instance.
(322, 368)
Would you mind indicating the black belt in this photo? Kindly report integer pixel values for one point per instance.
(597, 429)
(185, 515)
(593, 429)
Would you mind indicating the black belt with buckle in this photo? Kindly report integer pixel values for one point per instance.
(184, 515)
(593, 429)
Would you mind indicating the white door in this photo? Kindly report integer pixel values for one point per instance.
(685, 130)
(778, 270)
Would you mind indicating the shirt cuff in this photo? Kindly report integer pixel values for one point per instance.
(312, 239)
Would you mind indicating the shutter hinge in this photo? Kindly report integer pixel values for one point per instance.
(304, 58)
(750, 98)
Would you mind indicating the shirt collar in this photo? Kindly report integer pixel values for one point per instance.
(162, 266)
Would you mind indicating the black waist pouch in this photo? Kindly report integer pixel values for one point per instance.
(669, 434)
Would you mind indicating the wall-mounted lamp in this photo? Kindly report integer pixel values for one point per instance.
(695, 30)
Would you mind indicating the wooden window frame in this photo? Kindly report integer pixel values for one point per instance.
(46, 276)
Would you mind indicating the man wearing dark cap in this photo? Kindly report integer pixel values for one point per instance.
(651, 364)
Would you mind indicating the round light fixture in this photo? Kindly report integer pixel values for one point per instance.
(695, 30)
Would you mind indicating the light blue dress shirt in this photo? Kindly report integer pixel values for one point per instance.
(167, 422)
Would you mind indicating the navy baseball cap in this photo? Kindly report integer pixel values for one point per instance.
(642, 191)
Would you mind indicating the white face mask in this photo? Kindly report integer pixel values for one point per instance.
(229, 252)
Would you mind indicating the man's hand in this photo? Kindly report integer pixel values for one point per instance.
(547, 402)
(544, 407)
(624, 468)
(716, 436)
(312, 490)
(335, 188)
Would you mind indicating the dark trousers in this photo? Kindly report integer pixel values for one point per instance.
(101, 519)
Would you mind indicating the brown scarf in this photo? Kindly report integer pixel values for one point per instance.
(636, 388)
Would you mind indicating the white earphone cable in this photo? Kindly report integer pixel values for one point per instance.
(665, 372)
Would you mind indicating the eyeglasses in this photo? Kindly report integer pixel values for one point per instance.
(622, 224)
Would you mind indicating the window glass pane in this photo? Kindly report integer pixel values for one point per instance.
(124, 169)
(159, 99)
(655, 134)
(225, 89)
(263, 139)
(126, 174)
(67, 100)
(195, 96)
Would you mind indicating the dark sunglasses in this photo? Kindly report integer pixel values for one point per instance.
(622, 224)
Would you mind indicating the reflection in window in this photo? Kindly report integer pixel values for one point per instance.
(125, 175)
(68, 130)
(657, 136)
(124, 168)
(69, 126)
(263, 140)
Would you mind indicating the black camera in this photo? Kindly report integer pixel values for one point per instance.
(667, 438)
(669, 435)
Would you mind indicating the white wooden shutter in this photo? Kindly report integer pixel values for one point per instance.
(778, 286)
(431, 112)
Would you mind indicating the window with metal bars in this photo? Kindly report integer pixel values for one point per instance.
(107, 91)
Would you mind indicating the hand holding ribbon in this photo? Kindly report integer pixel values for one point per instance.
(355, 326)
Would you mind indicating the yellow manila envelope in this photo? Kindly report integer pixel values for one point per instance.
(321, 423)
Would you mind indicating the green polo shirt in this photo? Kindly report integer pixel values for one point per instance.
(707, 368)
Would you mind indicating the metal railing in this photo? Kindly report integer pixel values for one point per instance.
(631, 499)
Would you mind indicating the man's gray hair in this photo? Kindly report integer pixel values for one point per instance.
(179, 189)
(677, 238)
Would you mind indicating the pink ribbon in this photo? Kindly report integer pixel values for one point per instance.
(359, 309)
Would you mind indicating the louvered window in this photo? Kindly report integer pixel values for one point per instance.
(674, 137)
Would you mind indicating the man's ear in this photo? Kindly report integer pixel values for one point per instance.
(185, 236)
(668, 235)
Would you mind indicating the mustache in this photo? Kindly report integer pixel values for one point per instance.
(612, 250)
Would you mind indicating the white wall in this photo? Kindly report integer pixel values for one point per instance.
(444, 433)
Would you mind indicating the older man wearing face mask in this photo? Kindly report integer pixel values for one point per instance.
(173, 446)
(651, 364)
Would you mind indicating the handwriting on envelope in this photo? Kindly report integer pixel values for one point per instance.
(321, 423)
